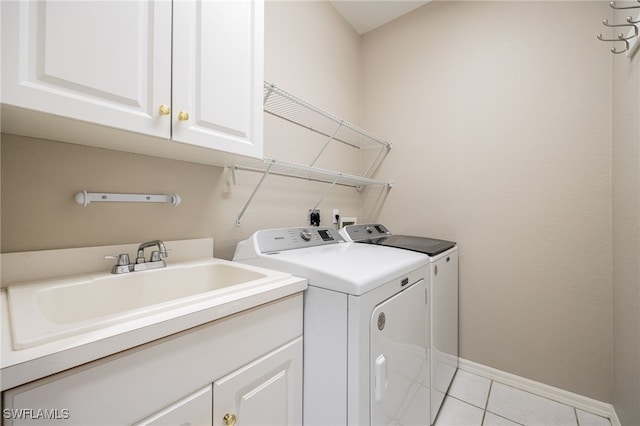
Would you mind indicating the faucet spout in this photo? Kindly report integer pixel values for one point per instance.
(161, 248)
(156, 260)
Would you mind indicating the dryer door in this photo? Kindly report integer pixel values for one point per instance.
(399, 364)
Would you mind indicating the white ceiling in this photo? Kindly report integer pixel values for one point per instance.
(365, 15)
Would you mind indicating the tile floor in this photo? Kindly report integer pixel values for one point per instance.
(476, 401)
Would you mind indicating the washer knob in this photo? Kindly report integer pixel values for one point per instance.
(369, 229)
(305, 235)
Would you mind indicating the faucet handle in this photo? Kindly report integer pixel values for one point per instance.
(157, 255)
(122, 266)
(122, 258)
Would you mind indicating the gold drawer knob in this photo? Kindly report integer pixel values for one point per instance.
(183, 116)
(229, 419)
(164, 110)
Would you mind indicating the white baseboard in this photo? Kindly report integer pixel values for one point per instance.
(590, 405)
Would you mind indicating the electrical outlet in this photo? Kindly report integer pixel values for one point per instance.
(336, 216)
(314, 217)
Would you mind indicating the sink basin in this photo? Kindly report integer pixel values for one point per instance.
(46, 310)
(107, 295)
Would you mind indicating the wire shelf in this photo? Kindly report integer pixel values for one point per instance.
(292, 109)
(283, 168)
(288, 107)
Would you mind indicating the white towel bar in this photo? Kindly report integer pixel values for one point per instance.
(84, 198)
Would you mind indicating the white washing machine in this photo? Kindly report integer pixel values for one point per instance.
(443, 257)
(365, 325)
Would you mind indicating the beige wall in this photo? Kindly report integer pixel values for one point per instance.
(626, 237)
(500, 117)
(39, 178)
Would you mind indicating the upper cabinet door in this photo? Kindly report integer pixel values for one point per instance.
(103, 62)
(218, 63)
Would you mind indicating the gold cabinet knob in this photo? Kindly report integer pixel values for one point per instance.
(229, 419)
(183, 116)
(164, 110)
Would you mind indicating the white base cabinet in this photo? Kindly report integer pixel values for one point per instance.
(245, 368)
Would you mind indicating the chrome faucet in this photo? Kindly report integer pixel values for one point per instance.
(156, 259)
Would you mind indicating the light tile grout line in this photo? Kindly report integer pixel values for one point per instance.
(486, 405)
(548, 399)
(567, 398)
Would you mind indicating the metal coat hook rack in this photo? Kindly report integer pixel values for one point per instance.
(630, 40)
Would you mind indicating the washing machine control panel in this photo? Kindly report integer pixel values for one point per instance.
(274, 240)
(365, 232)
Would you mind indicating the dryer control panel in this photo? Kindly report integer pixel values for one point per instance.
(273, 240)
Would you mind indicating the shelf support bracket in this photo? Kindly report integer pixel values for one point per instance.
(327, 192)
(266, 95)
(246, 205)
(335, 132)
(374, 161)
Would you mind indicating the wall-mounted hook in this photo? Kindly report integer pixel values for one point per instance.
(614, 6)
(629, 24)
(631, 21)
(626, 47)
(620, 38)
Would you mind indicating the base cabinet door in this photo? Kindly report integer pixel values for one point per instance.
(194, 410)
(265, 392)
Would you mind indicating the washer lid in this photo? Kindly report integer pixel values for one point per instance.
(346, 267)
(428, 246)
(375, 233)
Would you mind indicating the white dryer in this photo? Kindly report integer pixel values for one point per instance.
(443, 285)
(365, 325)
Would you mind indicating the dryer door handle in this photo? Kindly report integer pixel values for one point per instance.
(381, 380)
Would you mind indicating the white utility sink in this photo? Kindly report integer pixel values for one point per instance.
(43, 311)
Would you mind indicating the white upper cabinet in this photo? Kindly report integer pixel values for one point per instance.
(186, 71)
(217, 74)
(102, 62)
